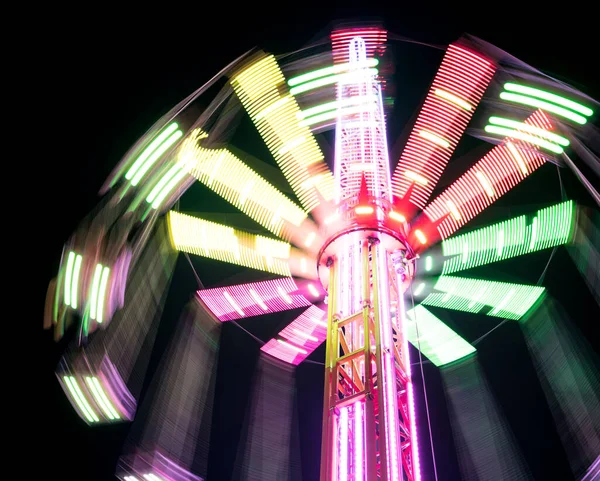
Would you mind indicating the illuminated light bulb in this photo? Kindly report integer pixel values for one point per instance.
(418, 178)
(313, 290)
(397, 216)
(540, 104)
(291, 346)
(420, 236)
(363, 209)
(310, 239)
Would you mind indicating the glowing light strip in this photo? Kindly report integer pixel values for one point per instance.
(517, 156)
(259, 86)
(510, 301)
(481, 246)
(327, 71)
(99, 284)
(72, 278)
(359, 447)
(343, 444)
(69, 277)
(451, 101)
(485, 183)
(253, 299)
(361, 141)
(440, 344)
(155, 156)
(353, 76)
(515, 134)
(334, 106)
(416, 462)
(258, 300)
(450, 97)
(551, 136)
(335, 113)
(234, 304)
(434, 138)
(305, 333)
(467, 193)
(374, 38)
(542, 94)
(418, 178)
(150, 149)
(540, 104)
(80, 400)
(209, 239)
(101, 399)
(239, 185)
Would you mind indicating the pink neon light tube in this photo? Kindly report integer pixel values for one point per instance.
(253, 299)
(300, 338)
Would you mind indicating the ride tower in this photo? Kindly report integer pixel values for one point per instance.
(369, 428)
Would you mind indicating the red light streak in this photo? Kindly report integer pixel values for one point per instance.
(459, 83)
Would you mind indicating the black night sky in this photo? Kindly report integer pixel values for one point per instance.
(112, 74)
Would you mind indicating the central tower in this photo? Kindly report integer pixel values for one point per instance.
(368, 416)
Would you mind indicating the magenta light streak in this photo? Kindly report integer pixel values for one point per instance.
(359, 425)
(275, 295)
(389, 372)
(401, 323)
(306, 333)
(343, 445)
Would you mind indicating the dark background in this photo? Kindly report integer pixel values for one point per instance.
(111, 72)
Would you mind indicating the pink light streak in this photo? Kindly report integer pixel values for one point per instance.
(300, 338)
(253, 299)
(401, 322)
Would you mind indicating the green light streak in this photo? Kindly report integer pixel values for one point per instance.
(515, 134)
(542, 94)
(532, 129)
(148, 150)
(507, 300)
(552, 226)
(540, 104)
(327, 71)
(155, 156)
(440, 344)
